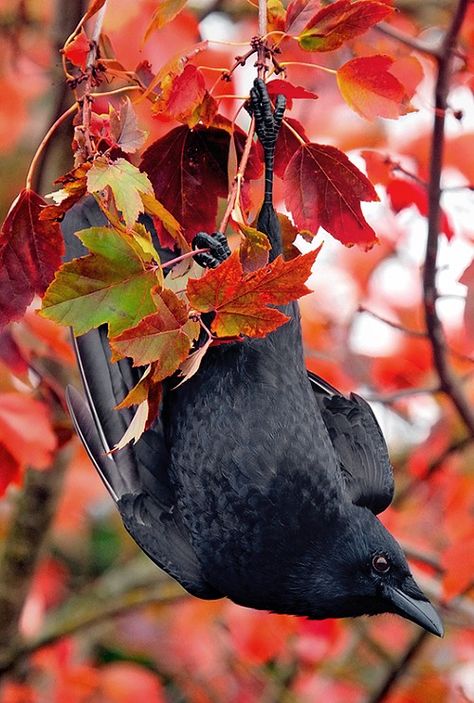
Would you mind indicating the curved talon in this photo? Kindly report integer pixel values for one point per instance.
(267, 119)
(217, 245)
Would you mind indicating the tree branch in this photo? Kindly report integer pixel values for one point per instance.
(399, 668)
(448, 381)
(33, 512)
(117, 592)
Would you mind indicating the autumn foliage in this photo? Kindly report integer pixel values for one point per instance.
(162, 142)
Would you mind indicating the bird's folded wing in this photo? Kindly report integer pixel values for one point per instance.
(137, 475)
(359, 445)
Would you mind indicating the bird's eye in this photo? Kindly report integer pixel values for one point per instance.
(380, 563)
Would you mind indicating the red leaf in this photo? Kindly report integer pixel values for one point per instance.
(241, 300)
(323, 188)
(184, 97)
(78, 50)
(341, 21)
(11, 354)
(10, 469)
(287, 144)
(404, 193)
(30, 252)
(26, 437)
(291, 92)
(371, 90)
(458, 561)
(379, 167)
(299, 13)
(188, 169)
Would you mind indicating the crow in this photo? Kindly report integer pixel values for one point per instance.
(259, 482)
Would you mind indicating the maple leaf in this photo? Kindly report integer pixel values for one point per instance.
(369, 88)
(109, 285)
(125, 181)
(78, 50)
(323, 188)
(74, 187)
(288, 235)
(30, 252)
(164, 337)
(299, 13)
(241, 301)
(165, 12)
(163, 219)
(341, 21)
(27, 438)
(124, 129)
(287, 144)
(290, 91)
(404, 193)
(188, 169)
(183, 98)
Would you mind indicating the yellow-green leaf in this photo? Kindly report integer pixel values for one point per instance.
(109, 285)
(125, 181)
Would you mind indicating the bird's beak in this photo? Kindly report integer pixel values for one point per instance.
(418, 610)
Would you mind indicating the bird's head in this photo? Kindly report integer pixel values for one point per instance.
(366, 573)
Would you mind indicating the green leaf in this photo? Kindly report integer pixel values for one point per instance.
(125, 181)
(109, 285)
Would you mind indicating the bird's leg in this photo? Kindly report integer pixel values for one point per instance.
(267, 125)
(217, 245)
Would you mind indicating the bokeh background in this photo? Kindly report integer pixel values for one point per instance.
(99, 622)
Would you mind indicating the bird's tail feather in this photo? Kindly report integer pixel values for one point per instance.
(135, 467)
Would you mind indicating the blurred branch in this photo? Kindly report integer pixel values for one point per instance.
(33, 512)
(421, 334)
(121, 590)
(399, 668)
(448, 380)
(407, 40)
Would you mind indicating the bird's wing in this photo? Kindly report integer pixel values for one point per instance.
(359, 445)
(136, 476)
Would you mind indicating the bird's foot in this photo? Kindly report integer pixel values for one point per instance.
(267, 120)
(217, 245)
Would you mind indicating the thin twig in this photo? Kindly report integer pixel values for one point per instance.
(399, 668)
(411, 42)
(448, 381)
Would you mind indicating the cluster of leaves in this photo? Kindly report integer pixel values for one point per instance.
(121, 281)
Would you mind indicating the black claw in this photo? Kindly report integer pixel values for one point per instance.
(217, 245)
(267, 120)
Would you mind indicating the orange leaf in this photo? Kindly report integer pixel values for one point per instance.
(122, 682)
(77, 51)
(458, 560)
(164, 13)
(241, 300)
(371, 90)
(163, 337)
(379, 167)
(323, 188)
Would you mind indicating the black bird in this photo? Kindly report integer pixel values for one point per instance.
(259, 482)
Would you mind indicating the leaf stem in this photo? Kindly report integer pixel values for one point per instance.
(235, 190)
(283, 64)
(44, 142)
(294, 132)
(183, 257)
